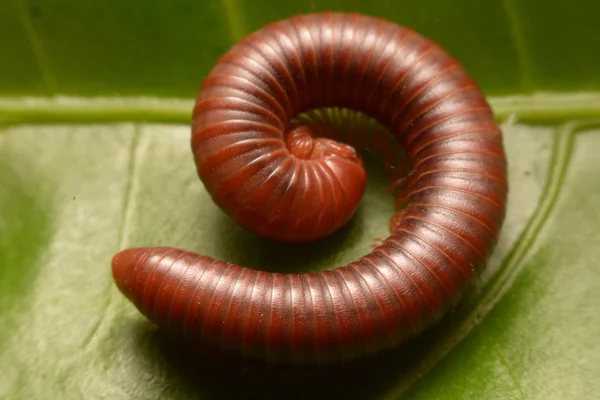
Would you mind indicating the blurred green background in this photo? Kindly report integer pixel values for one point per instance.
(95, 100)
(164, 48)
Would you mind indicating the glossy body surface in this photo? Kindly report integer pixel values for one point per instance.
(280, 181)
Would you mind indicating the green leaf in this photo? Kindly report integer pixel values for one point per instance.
(104, 164)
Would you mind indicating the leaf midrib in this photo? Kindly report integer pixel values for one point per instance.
(540, 107)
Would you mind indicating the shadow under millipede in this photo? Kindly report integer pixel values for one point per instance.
(242, 247)
(245, 248)
(207, 374)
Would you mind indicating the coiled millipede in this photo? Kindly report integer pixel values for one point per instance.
(278, 179)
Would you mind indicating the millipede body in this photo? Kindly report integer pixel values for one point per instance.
(278, 178)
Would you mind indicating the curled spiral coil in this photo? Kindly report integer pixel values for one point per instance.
(278, 177)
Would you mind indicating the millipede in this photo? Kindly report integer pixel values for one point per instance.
(283, 178)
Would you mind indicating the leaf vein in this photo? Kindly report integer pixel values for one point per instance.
(234, 20)
(36, 45)
(518, 40)
(509, 372)
(123, 230)
(539, 107)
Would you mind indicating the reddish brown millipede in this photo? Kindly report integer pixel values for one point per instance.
(277, 179)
